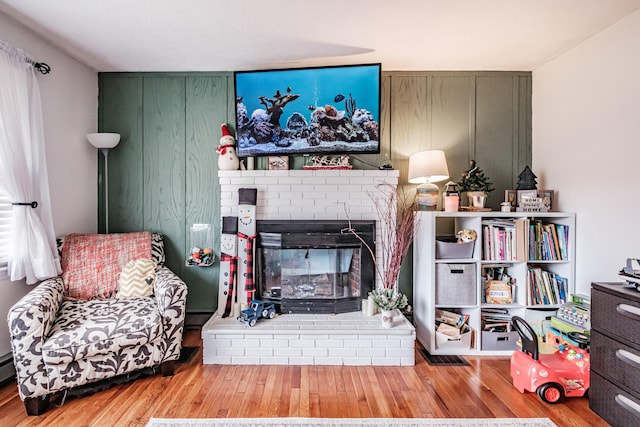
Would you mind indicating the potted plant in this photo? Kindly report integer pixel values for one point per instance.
(388, 301)
(476, 184)
(397, 230)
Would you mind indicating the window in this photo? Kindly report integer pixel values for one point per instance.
(5, 217)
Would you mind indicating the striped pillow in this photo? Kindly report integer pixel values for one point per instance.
(137, 279)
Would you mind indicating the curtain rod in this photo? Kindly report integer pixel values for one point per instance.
(22, 55)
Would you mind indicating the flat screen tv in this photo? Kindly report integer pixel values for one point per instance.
(319, 110)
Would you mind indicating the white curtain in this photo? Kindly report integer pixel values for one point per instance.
(23, 170)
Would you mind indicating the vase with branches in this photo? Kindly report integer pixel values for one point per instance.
(395, 210)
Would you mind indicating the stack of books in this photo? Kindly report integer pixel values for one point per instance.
(495, 320)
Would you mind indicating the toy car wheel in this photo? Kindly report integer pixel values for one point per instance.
(265, 313)
(550, 392)
(252, 322)
(272, 315)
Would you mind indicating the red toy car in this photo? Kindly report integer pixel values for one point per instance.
(552, 376)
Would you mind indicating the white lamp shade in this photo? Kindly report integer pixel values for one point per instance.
(104, 140)
(428, 166)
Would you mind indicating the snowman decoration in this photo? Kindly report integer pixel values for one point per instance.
(228, 159)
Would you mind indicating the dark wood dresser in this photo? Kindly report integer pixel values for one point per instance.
(615, 353)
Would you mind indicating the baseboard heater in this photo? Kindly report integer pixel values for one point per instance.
(7, 370)
(195, 320)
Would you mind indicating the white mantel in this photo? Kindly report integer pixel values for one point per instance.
(305, 194)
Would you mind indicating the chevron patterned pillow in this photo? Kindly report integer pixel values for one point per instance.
(137, 279)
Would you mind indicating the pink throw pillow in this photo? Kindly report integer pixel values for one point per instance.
(91, 262)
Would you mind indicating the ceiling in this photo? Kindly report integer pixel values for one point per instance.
(231, 35)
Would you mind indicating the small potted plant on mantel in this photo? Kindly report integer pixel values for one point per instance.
(388, 301)
(477, 185)
(398, 229)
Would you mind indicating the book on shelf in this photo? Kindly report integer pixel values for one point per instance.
(548, 241)
(563, 239)
(545, 287)
(451, 318)
(493, 320)
(555, 240)
(522, 239)
(505, 239)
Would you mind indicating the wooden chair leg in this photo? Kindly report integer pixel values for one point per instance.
(36, 405)
(167, 368)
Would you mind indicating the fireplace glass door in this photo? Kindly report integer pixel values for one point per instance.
(307, 273)
(312, 266)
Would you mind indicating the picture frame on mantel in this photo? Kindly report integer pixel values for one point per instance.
(547, 197)
(511, 196)
(277, 163)
(526, 194)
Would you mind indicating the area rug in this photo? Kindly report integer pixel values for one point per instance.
(350, 422)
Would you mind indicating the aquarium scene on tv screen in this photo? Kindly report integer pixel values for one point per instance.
(320, 110)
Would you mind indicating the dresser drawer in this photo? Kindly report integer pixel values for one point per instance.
(614, 405)
(619, 362)
(615, 315)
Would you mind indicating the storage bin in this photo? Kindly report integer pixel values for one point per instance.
(445, 342)
(499, 340)
(455, 284)
(448, 248)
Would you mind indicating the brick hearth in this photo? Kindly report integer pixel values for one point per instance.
(310, 339)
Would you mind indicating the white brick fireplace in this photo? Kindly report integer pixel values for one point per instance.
(349, 338)
(308, 194)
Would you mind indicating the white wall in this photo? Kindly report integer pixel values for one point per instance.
(586, 145)
(70, 108)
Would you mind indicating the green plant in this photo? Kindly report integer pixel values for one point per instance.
(475, 180)
(389, 299)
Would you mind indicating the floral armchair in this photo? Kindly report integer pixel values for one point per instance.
(78, 328)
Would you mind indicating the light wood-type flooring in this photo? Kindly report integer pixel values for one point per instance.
(481, 390)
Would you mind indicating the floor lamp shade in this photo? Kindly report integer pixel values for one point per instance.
(105, 142)
(425, 168)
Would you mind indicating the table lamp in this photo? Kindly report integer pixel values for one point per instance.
(425, 168)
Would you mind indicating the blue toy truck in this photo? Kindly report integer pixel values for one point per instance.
(257, 310)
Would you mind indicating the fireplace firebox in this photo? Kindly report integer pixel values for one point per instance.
(314, 266)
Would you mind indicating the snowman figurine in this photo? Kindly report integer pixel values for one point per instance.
(228, 160)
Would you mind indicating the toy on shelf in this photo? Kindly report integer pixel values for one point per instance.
(200, 257)
(564, 373)
(228, 160)
(257, 310)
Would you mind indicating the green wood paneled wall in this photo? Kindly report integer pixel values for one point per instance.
(163, 174)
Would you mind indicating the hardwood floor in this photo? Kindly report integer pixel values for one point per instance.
(481, 390)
